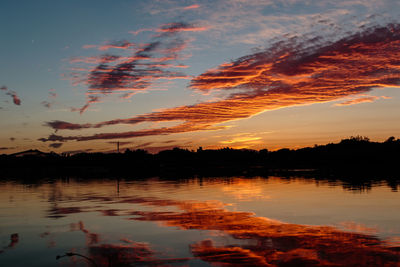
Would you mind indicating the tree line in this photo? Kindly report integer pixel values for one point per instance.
(354, 154)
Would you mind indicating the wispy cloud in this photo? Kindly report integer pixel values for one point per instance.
(126, 75)
(195, 6)
(101, 59)
(51, 99)
(56, 145)
(155, 147)
(162, 131)
(62, 125)
(125, 45)
(13, 94)
(292, 72)
(170, 7)
(270, 19)
(91, 99)
(241, 140)
(46, 104)
(16, 99)
(120, 143)
(359, 100)
(7, 148)
(78, 151)
(181, 27)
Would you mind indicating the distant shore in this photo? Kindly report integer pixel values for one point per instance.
(352, 157)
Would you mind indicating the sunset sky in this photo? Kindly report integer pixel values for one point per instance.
(82, 75)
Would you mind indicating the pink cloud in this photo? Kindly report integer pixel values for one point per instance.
(95, 60)
(16, 99)
(195, 6)
(127, 75)
(89, 46)
(125, 45)
(142, 30)
(180, 27)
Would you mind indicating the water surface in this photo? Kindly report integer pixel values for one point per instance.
(198, 222)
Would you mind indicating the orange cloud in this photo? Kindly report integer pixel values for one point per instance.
(241, 140)
(292, 72)
(366, 99)
(191, 7)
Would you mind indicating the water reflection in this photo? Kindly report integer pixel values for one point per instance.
(221, 222)
(273, 242)
(132, 254)
(268, 242)
(125, 253)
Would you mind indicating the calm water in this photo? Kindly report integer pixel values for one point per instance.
(198, 222)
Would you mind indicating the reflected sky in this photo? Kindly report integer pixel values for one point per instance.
(198, 222)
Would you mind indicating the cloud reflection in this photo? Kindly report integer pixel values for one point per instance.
(257, 241)
(127, 253)
(270, 242)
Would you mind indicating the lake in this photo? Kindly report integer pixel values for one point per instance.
(223, 221)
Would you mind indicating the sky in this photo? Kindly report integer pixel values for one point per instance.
(80, 76)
